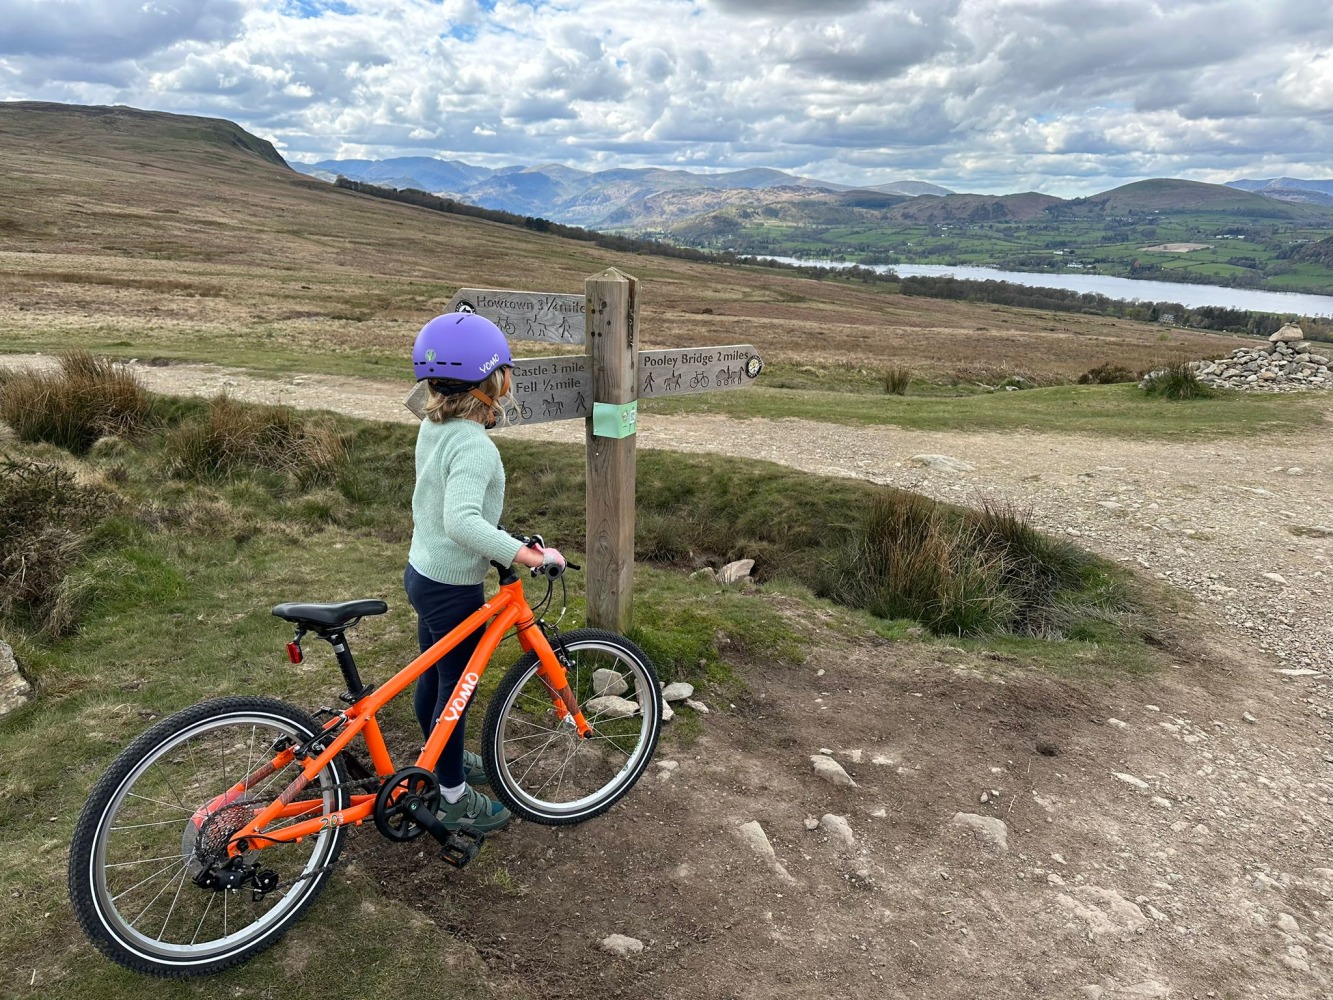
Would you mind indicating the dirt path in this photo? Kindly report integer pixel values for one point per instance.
(1160, 839)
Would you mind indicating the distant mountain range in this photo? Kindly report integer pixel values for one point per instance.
(1289, 189)
(678, 202)
(596, 199)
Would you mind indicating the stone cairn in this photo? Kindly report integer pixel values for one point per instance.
(1287, 363)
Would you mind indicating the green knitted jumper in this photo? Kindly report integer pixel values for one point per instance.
(459, 495)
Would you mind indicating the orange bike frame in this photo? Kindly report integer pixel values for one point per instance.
(507, 609)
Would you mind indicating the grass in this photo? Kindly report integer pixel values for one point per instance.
(84, 399)
(1120, 411)
(233, 437)
(896, 380)
(181, 573)
(1179, 381)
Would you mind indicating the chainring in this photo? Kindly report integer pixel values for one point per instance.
(393, 817)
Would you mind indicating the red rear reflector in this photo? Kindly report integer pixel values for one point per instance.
(294, 652)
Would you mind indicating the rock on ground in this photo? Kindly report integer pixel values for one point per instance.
(831, 771)
(606, 681)
(608, 706)
(15, 691)
(990, 832)
(943, 463)
(621, 945)
(677, 691)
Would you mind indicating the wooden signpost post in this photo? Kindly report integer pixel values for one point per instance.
(603, 387)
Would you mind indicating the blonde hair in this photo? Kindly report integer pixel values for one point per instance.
(465, 406)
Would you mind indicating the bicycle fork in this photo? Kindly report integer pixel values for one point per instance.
(551, 672)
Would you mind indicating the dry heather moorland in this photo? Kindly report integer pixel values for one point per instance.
(126, 230)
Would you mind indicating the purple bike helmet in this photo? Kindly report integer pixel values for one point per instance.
(460, 347)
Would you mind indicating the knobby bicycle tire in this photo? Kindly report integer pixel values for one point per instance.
(149, 803)
(538, 764)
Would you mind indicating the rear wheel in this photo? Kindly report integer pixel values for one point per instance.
(148, 829)
(539, 765)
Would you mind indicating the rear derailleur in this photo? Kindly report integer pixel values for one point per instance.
(234, 874)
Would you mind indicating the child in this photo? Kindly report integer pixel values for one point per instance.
(455, 507)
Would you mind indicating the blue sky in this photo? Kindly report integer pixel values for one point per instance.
(1068, 97)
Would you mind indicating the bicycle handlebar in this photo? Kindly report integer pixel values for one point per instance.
(550, 572)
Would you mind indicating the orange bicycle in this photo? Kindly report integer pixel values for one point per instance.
(214, 830)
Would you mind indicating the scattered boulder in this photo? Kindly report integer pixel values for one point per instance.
(837, 829)
(677, 691)
(1105, 911)
(735, 572)
(15, 691)
(698, 706)
(990, 832)
(752, 835)
(606, 681)
(831, 771)
(621, 945)
(1132, 781)
(943, 463)
(609, 706)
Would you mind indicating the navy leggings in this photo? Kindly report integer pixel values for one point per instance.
(440, 608)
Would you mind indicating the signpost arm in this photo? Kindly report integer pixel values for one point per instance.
(612, 333)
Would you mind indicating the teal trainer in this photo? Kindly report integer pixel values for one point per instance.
(475, 810)
(474, 771)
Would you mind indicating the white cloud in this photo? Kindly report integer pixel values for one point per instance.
(1057, 95)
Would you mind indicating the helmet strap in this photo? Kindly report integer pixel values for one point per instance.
(504, 390)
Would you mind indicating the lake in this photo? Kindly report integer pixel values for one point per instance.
(1293, 303)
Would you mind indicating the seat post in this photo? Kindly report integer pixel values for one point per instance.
(346, 664)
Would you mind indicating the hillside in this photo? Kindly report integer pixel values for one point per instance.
(182, 239)
(122, 133)
(1315, 192)
(1178, 196)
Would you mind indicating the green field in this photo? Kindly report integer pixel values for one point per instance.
(1245, 241)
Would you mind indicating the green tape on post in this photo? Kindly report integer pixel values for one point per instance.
(615, 420)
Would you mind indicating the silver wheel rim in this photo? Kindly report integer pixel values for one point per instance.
(529, 739)
(143, 901)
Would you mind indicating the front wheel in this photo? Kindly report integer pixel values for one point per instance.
(539, 765)
(167, 807)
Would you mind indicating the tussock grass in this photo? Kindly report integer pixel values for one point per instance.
(896, 380)
(234, 437)
(963, 571)
(85, 398)
(907, 561)
(1107, 374)
(1178, 381)
(46, 520)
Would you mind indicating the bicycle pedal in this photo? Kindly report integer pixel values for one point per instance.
(461, 846)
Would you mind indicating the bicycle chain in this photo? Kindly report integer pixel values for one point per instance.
(358, 783)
